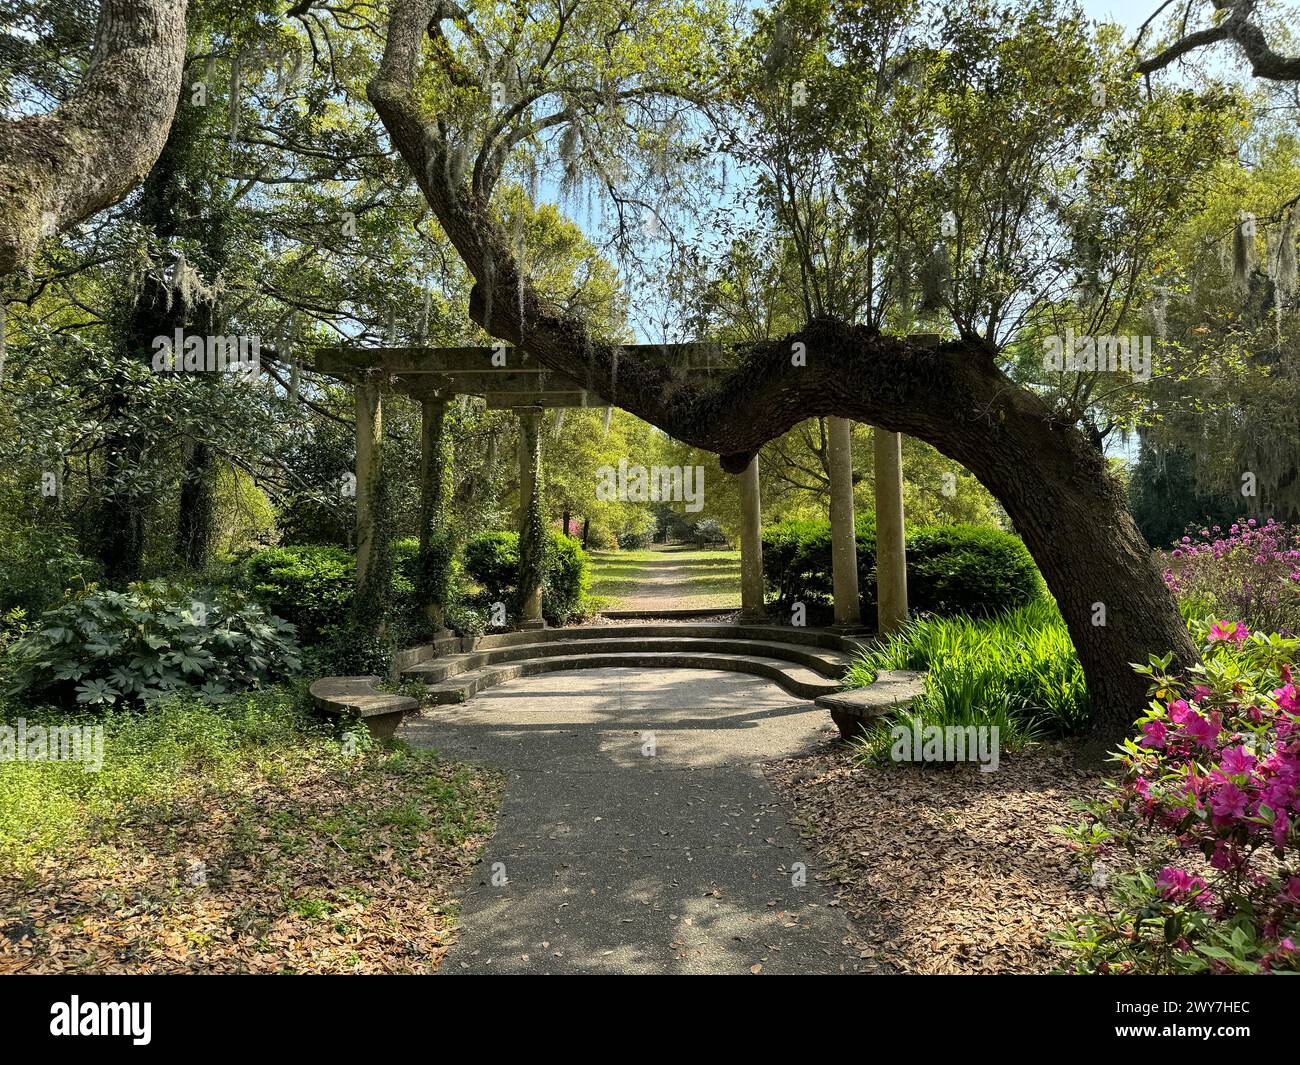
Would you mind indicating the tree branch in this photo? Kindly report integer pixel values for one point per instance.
(60, 168)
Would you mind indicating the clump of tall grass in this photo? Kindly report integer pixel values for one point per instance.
(1017, 670)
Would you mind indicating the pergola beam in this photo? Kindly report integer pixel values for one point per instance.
(348, 363)
(516, 400)
(480, 384)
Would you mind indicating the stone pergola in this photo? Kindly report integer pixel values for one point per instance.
(510, 379)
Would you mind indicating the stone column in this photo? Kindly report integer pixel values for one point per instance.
(435, 544)
(370, 438)
(531, 531)
(751, 545)
(844, 543)
(891, 550)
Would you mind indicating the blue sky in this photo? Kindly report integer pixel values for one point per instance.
(1130, 13)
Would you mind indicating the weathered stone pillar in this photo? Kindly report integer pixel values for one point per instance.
(751, 545)
(435, 537)
(531, 532)
(370, 438)
(844, 543)
(891, 550)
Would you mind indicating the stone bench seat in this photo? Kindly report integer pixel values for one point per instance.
(893, 690)
(381, 711)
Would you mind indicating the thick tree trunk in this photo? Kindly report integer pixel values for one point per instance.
(1052, 482)
(196, 517)
(62, 167)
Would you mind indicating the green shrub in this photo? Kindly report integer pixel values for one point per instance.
(153, 640)
(492, 560)
(564, 592)
(1020, 664)
(39, 566)
(310, 586)
(951, 569)
(966, 569)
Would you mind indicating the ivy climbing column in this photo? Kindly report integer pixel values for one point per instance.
(844, 543)
(435, 536)
(370, 435)
(891, 550)
(531, 547)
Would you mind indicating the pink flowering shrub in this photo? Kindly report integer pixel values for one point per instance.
(1250, 572)
(1198, 844)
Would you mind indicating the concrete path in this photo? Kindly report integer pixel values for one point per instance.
(638, 833)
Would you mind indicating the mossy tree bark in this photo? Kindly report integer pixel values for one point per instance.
(59, 168)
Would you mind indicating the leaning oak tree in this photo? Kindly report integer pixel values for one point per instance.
(468, 93)
(58, 169)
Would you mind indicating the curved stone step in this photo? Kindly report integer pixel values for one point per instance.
(688, 629)
(828, 663)
(796, 679)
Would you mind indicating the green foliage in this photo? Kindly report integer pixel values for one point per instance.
(310, 586)
(1166, 501)
(184, 742)
(1019, 666)
(967, 569)
(492, 560)
(154, 640)
(951, 569)
(38, 566)
(564, 592)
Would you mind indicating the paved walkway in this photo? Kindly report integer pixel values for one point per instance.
(618, 860)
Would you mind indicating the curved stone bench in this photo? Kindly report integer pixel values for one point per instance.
(893, 689)
(357, 696)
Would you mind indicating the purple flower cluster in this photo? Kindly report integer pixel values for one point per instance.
(1252, 572)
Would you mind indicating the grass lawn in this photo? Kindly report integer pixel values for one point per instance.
(672, 577)
(245, 838)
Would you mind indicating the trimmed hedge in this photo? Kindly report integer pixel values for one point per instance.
(310, 586)
(492, 560)
(951, 569)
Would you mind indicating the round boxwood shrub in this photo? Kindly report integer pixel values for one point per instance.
(951, 569)
(492, 560)
(310, 586)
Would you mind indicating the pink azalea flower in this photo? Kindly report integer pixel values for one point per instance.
(1153, 734)
(1203, 730)
(1228, 632)
(1287, 698)
(1229, 801)
(1175, 883)
(1236, 760)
